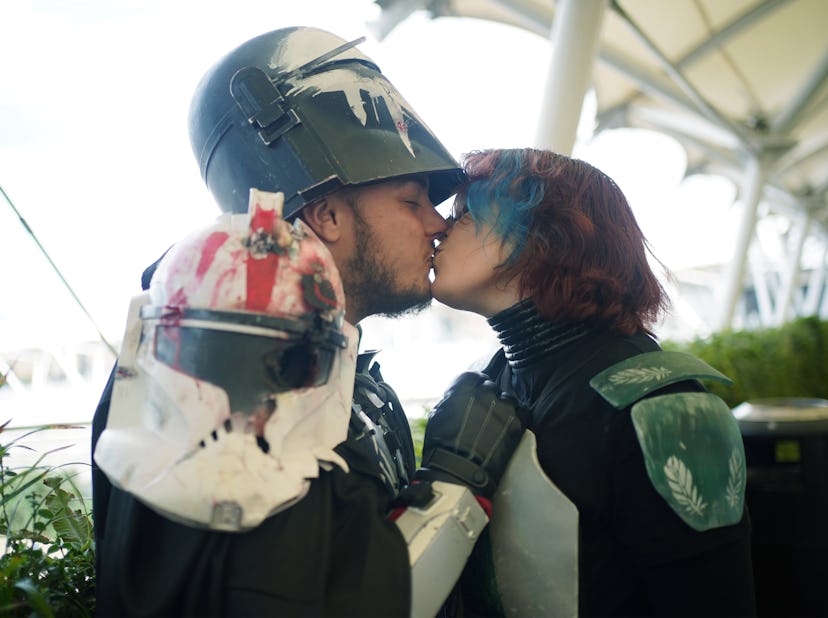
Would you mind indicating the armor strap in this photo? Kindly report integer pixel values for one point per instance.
(628, 381)
(379, 437)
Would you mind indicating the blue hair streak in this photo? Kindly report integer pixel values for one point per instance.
(504, 199)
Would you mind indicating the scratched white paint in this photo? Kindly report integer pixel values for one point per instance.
(303, 46)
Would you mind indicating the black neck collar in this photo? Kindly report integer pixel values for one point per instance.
(526, 336)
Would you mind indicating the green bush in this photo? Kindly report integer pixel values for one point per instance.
(418, 433)
(48, 566)
(787, 361)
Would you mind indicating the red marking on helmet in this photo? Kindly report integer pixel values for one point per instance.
(261, 272)
(326, 294)
(331, 302)
(208, 253)
(262, 219)
(173, 309)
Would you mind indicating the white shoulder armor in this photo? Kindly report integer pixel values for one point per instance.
(440, 537)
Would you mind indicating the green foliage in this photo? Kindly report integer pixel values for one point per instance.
(48, 566)
(787, 361)
(418, 433)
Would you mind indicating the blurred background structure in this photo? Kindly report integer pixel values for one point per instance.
(740, 84)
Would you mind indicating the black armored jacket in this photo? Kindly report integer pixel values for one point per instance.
(636, 556)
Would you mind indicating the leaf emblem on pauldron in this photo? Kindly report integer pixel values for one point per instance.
(736, 479)
(681, 484)
(638, 376)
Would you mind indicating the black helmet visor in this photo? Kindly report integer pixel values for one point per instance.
(250, 366)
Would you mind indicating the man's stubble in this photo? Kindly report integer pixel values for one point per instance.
(370, 281)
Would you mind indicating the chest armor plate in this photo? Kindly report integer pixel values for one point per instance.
(379, 432)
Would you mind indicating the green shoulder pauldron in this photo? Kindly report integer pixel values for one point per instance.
(691, 442)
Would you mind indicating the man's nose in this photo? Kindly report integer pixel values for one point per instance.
(434, 223)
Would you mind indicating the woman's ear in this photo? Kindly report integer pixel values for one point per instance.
(324, 218)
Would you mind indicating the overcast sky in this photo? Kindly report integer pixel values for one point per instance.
(94, 150)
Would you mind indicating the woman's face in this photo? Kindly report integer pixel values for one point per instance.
(465, 269)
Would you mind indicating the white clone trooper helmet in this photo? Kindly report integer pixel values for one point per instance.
(236, 373)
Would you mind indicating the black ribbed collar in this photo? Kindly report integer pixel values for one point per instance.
(526, 336)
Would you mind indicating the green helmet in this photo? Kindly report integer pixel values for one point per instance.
(302, 111)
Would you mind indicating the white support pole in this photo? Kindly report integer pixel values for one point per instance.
(574, 46)
(816, 283)
(823, 309)
(734, 277)
(758, 270)
(790, 277)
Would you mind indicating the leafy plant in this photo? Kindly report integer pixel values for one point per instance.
(48, 566)
(418, 425)
(787, 361)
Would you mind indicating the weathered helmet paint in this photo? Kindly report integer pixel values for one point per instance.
(303, 112)
(235, 377)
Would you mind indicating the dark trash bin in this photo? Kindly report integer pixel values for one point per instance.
(786, 448)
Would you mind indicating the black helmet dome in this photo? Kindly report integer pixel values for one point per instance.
(302, 111)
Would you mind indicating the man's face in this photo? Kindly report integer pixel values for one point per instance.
(394, 229)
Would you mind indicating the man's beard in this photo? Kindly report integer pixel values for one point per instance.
(370, 281)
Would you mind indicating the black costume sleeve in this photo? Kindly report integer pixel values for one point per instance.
(685, 572)
(332, 554)
(637, 557)
(724, 589)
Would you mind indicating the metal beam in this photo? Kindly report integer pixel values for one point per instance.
(805, 149)
(758, 272)
(699, 130)
(540, 13)
(724, 34)
(392, 15)
(647, 81)
(816, 285)
(703, 107)
(792, 114)
(790, 276)
(754, 185)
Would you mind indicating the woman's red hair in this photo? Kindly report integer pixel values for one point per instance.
(583, 256)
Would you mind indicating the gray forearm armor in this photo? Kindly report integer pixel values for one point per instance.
(440, 537)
